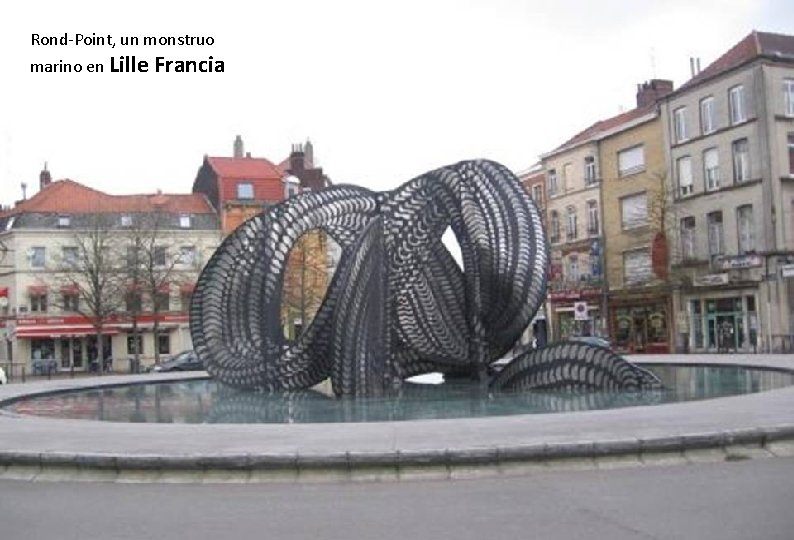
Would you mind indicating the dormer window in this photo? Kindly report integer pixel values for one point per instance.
(184, 221)
(64, 221)
(245, 190)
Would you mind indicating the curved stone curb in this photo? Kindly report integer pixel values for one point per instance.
(303, 466)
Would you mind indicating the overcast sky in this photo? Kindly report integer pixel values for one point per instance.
(385, 90)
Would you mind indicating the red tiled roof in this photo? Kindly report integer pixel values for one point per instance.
(753, 45)
(605, 125)
(70, 197)
(250, 168)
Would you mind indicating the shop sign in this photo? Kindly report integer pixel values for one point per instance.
(580, 311)
(575, 294)
(710, 280)
(787, 270)
(738, 262)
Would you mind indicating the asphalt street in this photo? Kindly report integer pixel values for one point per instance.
(745, 500)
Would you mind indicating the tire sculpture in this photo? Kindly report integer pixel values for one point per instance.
(398, 305)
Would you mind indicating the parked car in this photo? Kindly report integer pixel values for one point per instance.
(3, 378)
(592, 340)
(184, 361)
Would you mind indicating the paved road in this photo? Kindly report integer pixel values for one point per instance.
(737, 500)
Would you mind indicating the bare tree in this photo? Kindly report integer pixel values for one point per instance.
(89, 269)
(306, 279)
(151, 268)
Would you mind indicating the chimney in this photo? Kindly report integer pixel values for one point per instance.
(651, 91)
(44, 177)
(238, 147)
(248, 155)
(24, 187)
(308, 151)
(296, 159)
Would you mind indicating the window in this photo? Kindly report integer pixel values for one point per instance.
(187, 255)
(245, 190)
(741, 161)
(184, 221)
(164, 342)
(64, 221)
(679, 124)
(185, 297)
(570, 229)
(716, 237)
(592, 218)
(38, 302)
(744, 219)
(126, 221)
(631, 160)
(683, 167)
(555, 226)
(711, 169)
(132, 256)
(162, 300)
(707, 124)
(791, 154)
(572, 272)
(69, 255)
(788, 97)
(71, 302)
(637, 267)
(134, 343)
(551, 180)
(37, 257)
(133, 302)
(688, 238)
(159, 256)
(589, 170)
(634, 210)
(736, 104)
(537, 194)
(293, 188)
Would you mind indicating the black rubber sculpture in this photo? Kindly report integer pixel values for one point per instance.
(398, 305)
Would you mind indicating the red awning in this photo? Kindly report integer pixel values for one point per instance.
(37, 290)
(187, 288)
(164, 288)
(3, 292)
(60, 331)
(70, 289)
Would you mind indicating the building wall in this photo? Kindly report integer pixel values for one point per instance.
(763, 311)
(21, 275)
(567, 289)
(650, 181)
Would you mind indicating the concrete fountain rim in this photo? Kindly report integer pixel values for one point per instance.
(757, 419)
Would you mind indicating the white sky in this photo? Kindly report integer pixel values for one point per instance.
(384, 90)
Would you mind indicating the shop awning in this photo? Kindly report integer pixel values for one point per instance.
(70, 289)
(187, 288)
(3, 292)
(37, 290)
(164, 288)
(60, 331)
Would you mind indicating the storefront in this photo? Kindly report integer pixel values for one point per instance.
(640, 323)
(723, 321)
(70, 343)
(576, 312)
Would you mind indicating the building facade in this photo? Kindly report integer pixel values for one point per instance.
(730, 147)
(45, 321)
(634, 175)
(573, 213)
